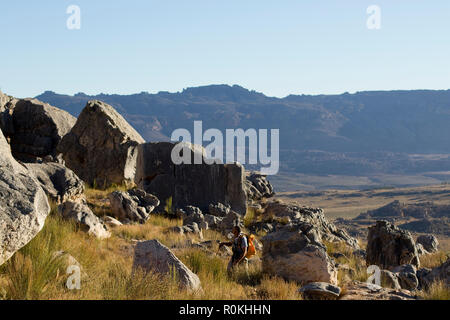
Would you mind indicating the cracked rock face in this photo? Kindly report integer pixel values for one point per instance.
(257, 186)
(197, 185)
(389, 247)
(35, 129)
(102, 147)
(23, 204)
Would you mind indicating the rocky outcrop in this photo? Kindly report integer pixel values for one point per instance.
(389, 247)
(23, 204)
(59, 183)
(366, 291)
(132, 206)
(278, 213)
(85, 218)
(429, 242)
(153, 256)
(320, 291)
(296, 253)
(35, 129)
(102, 147)
(219, 210)
(257, 186)
(198, 185)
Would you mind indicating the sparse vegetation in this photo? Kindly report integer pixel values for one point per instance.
(35, 273)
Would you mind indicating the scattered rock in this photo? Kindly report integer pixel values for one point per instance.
(229, 222)
(389, 280)
(102, 147)
(320, 291)
(407, 278)
(153, 256)
(111, 222)
(23, 204)
(59, 183)
(294, 253)
(133, 205)
(82, 214)
(281, 213)
(198, 185)
(257, 186)
(366, 291)
(213, 221)
(429, 242)
(219, 210)
(389, 246)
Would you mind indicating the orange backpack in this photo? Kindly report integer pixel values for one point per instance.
(251, 250)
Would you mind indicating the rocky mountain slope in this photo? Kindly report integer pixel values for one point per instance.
(362, 134)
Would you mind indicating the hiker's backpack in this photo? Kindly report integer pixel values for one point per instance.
(251, 250)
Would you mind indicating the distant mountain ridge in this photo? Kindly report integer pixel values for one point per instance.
(337, 133)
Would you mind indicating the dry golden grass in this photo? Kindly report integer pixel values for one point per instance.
(35, 273)
(437, 291)
(356, 265)
(433, 260)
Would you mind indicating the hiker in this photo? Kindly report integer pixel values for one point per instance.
(239, 246)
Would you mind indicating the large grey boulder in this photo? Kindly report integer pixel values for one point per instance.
(80, 212)
(198, 185)
(429, 242)
(102, 147)
(153, 256)
(133, 205)
(59, 183)
(296, 253)
(23, 204)
(36, 129)
(257, 186)
(389, 247)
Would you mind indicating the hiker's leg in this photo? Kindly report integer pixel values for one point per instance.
(230, 267)
(246, 267)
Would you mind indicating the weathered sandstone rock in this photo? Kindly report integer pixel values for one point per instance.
(296, 253)
(83, 215)
(389, 247)
(134, 205)
(59, 183)
(102, 147)
(153, 256)
(198, 185)
(36, 128)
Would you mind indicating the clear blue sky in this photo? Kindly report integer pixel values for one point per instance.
(275, 47)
